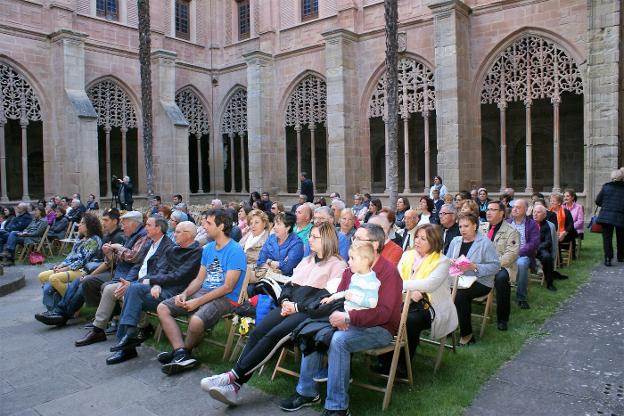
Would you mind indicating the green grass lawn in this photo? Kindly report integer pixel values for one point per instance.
(461, 375)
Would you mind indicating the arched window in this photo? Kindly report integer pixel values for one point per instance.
(199, 134)
(21, 138)
(306, 116)
(417, 134)
(117, 134)
(532, 96)
(233, 126)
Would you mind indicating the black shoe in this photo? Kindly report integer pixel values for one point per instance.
(336, 412)
(145, 333)
(502, 326)
(551, 287)
(298, 401)
(559, 276)
(620, 260)
(111, 329)
(182, 361)
(8, 262)
(128, 342)
(51, 318)
(608, 262)
(384, 369)
(91, 338)
(523, 304)
(121, 356)
(165, 357)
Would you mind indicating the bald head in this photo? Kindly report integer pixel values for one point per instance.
(185, 233)
(382, 221)
(411, 219)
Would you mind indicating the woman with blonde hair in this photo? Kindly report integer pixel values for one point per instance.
(312, 279)
(252, 242)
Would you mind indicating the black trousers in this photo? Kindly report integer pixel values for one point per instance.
(463, 303)
(263, 340)
(418, 320)
(548, 265)
(607, 241)
(502, 286)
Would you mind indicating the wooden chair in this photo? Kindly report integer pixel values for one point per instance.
(37, 246)
(441, 343)
(285, 351)
(565, 254)
(487, 312)
(398, 343)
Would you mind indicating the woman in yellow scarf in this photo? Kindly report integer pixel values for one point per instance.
(425, 273)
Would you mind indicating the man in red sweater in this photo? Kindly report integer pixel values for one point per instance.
(391, 251)
(358, 330)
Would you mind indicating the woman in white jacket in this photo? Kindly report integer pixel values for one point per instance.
(425, 272)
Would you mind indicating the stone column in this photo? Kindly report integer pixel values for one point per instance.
(343, 155)
(529, 150)
(556, 150)
(70, 143)
(503, 146)
(266, 151)
(406, 155)
(241, 136)
(232, 163)
(298, 131)
(107, 131)
(427, 152)
(312, 129)
(24, 127)
(170, 149)
(124, 154)
(200, 183)
(602, 107)
(452, 88)
(3, 172)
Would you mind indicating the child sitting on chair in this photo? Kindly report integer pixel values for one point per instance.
(363, 291)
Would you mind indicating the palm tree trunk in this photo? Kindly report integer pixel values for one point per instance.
(146, 89)
(392, 57)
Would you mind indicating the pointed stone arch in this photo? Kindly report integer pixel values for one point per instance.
(417, 105)
(305, 117)
(233, 126)
(533, 71)
(117, 127)
(194, 109)
(21, 136)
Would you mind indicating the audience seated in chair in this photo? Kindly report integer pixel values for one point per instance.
(31, 234)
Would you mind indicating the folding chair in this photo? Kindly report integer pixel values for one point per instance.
(565, 253)
(487, 312)
(399, 342)
(441, 343)
(229, 318)
(28, 248)
(279, 368)
(70, 238)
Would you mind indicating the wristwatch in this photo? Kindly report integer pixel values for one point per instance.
(347, 319)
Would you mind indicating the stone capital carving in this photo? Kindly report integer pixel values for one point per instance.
(258, 58)
(443, 8)
(337, 35)
(67, 34)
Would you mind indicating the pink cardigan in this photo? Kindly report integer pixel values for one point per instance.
(578, 215)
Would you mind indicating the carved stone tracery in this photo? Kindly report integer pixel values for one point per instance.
(18, 100)
(531, 68)
(307, 104)
(416, 91)
(235, 115)
(194, 112)
(112, 105)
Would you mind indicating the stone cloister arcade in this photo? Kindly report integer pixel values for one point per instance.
(531, 129)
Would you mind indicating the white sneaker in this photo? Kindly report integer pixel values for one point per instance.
(226, 394)
(218, 380)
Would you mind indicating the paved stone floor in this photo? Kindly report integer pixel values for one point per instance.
(42, 373)
(577, 368)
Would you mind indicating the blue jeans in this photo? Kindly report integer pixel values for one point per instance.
(13, 240)
(522, 291)
(51, 297)
(339, 364)
(137, 299)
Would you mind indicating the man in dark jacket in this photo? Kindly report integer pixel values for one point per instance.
(544, 249)
(125, 193)
(307, 187)
(167, 276)
(448, 221)
(610, 199)
(18, 223)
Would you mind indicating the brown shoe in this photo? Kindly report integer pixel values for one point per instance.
(91, 338)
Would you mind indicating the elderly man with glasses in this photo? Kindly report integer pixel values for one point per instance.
(448, 221)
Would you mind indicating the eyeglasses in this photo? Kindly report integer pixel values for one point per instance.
(445, 213)
(354, 238)
(313, 237)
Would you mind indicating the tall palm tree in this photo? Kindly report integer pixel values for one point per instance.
(146, 89)
(392, 58)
